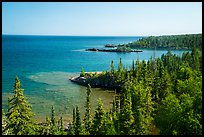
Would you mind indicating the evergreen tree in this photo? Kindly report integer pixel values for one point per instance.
(120, 66)
(47, 128)
(82, 72)
(54, 128)
(19, 113)
(142, 108)
(98, 120)
(133, 65)
(71, 129)
(61, 127)
(169, 113)
(78, 125)
(4, 124)
(137, 70)
(53, 116)
(87, 120)
(115, 114)
(108, 125)
(112, 67)
(126, 117)
(72, 126)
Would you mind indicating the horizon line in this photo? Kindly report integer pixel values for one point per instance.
(101, 35)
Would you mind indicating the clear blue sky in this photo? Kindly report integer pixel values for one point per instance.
(101, 18)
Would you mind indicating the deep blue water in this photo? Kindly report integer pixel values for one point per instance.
(44, 63)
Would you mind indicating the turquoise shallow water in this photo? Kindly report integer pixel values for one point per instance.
(44, 64)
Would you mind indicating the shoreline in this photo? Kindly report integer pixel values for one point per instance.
(111, 50)
(95, 82)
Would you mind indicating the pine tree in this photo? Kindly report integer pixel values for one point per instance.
(98, 120)
(4, 124)
(54, 130)
(133, 65)
(126, 117)
(47, 128)
(108, 125)
(87, 119)
(19, 113)
(142, 112)
(120, 66)
(53, 117)
(82, 72)
(78, 125)
(61, 127)
(112, 67)
(115, 115)
(71, 130)
(137, 70)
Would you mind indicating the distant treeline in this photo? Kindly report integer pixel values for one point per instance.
(188, 41)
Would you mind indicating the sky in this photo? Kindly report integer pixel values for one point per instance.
(101, 18)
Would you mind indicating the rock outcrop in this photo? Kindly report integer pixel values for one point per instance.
(97, 82)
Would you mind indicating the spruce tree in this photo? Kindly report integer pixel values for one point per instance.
(142, 112)
(108, 125)
(126, 117)
(133, 65)
(54, 130)
(87, 119)
(61, 127)
(47, 128)
(98, 120)
(78, 125)
(71, 130)
(112, 67)
(82, 72)
(115, 113)
(19, 113)
(120, 66)
(53, 117)
(4, 124)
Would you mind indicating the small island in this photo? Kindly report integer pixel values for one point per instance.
(120, 48)
(111, 50)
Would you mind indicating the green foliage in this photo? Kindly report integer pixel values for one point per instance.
(88, 118)
(189, 41)
(53, 117)
(4, 124)
(165, 93)
(126, 117)
(142, 112)
(82, 74)
(61, 127)
(112, 67)
(19, 113)
(169, 113)
(98, 121)
(108, 125)
(78, 125)
(123, 48)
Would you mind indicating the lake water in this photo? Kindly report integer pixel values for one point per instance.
(44, 64)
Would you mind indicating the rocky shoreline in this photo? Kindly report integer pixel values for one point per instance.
(96, 83)
(111, 50)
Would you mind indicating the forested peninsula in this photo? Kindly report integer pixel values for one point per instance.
(188, 41)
